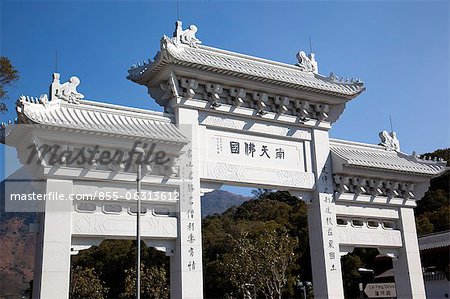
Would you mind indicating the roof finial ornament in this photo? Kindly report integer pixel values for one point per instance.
(389, 141)
(186, 36)
(66, 91)
(307, 64)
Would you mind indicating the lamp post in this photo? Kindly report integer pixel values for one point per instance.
(138, 224)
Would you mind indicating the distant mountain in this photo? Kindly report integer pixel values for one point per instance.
(218, 201)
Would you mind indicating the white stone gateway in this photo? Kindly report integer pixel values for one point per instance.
(228, 119)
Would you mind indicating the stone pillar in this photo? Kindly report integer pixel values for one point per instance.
(52, 272)
(38, 257)
(186, 269)
(407, 267)
(323, 237)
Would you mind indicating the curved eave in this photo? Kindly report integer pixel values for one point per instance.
(384, 169)
(99, 132)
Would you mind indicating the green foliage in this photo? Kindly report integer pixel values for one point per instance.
(112, 257)
(8, 74)
(260, 193)
(350, 264)
(154, 283)
(261, 261)
(432, 212)
(85, 284)
(256, 241)
(423, 225)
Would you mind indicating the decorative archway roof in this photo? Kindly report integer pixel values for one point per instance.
(241, 66)
(346, 154)
(99, 119)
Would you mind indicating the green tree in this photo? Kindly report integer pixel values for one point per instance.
(112, 257)
(351, 277)
(432, 212)
(424, 226)
(275, 211)
(276, 251)
(8, 74)
(261, 193)
(154, 283)
(260, 261)
(85, 284)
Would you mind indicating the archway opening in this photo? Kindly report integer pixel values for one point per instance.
(233, 255)
(364, 266)
(110, 270)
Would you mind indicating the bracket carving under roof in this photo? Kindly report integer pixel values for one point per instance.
(186, 36)
(374, 187)
(389, 141)
(262, 103)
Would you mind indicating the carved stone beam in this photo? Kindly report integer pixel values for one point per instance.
(213, 94)
(171, 88)
(302, 110)
(147, 168)
(407, 190)
(170, 168)
(341, 183)
(375, 187)
(116, 166)
(189, 86)
(259, 102)
(281, 103)
(322, 111)
(90, 165)
(395, 188)
(390, 189)
(237, 96)
(358, 185)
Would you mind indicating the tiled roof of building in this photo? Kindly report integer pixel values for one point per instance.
(436, 240)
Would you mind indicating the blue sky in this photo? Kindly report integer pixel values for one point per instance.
(400, 49)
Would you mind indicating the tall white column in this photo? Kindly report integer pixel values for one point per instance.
(52, 272)
(186, 268)
(407, 267)
(323, 238)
